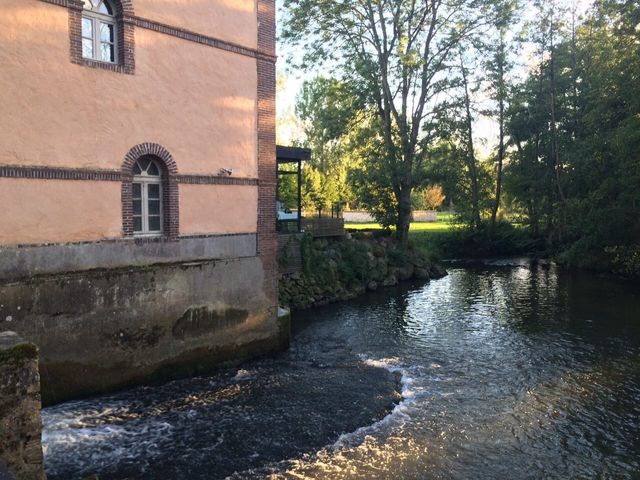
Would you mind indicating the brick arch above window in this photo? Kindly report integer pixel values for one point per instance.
(125, 37)
(170, 197)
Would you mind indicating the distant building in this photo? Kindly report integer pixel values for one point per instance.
(137, 186)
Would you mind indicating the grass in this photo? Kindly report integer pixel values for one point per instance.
(429, 237)
(448, 239)
(415, 227)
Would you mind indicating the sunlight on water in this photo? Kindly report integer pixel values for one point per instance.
(505, 370)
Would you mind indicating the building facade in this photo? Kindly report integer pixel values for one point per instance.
(137, 186)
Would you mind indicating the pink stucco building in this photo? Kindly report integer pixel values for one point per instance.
(137, 184)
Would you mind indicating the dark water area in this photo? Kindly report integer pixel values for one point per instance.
(507, 370)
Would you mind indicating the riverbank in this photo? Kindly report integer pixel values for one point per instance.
(446, 239)
(342, 269)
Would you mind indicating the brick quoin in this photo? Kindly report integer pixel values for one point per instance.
(267, 176)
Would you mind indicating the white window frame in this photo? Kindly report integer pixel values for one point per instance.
(96, 19)
(144, 181)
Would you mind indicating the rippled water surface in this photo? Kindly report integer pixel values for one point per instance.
(508, 370)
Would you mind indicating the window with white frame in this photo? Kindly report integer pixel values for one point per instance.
(99, 31)
(147, 197)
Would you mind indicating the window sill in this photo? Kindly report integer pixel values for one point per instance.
(112, 67)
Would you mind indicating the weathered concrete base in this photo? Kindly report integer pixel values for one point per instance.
(20, 425)
(104, 329)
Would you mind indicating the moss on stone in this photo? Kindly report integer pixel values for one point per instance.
(342, 269)
(18, 352)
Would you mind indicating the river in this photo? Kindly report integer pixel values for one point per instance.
(505, 370)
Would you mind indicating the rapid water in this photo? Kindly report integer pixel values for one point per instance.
(510, 370)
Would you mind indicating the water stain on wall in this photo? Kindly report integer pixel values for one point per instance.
(198, 321)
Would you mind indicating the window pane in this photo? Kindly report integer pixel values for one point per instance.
(108, 52)
(137, 207)
(154, 223)
(105, 8)
(144, 164)
(153, 170)
(106, 32)
(87, 28)
(137, 224)
(137, 190)
(154, 207)
(88, 5)
(87, 48)
(154, 190)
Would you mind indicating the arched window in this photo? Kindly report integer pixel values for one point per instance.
(99, 31)
(150, 198)
(147, 197)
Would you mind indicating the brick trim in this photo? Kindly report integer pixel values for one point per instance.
(129, 20)
(103, 175)
(216, 180)
(125, 32)
(170, 197)
(267, 237)
(55, 173)
(202, 39)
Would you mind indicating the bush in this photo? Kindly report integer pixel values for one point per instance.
(465, 242)
(625, 259)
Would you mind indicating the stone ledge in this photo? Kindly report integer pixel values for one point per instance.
(23, 262)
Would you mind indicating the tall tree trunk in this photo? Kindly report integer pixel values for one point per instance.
(554, 126)
(404, 216)
(501, 121)
(471, 156)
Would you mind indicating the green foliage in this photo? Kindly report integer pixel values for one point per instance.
(626, 259)
(466, 242)
(391, 60)
(575, 128)
(328, 108)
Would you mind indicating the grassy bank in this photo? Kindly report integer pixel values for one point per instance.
(448, 239)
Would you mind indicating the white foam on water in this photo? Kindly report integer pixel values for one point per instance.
(77, 439)
(400, 413)
(245, 375)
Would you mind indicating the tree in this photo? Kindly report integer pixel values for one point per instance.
(329, 111)
(395, 55)
(498, 67)
(429, 198)
(575, 124)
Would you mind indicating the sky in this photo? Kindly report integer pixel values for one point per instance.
(290, 83)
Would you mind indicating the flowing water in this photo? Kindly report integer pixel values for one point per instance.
(509, 370)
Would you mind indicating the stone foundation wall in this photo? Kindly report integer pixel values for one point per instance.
(102, 329)
(342, 269)
(20, 425)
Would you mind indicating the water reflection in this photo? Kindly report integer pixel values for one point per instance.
(510, 370)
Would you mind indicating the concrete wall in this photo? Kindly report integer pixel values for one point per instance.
(20, 424)
(104, 329)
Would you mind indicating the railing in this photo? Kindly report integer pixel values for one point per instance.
(324, 227)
